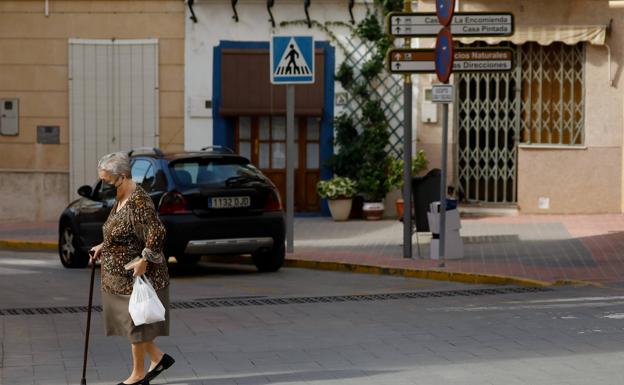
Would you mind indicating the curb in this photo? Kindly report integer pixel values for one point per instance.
(438, 275)
(28, 245)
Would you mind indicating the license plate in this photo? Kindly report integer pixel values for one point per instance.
(229, 202)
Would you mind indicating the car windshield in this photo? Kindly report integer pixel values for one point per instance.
(215, 172)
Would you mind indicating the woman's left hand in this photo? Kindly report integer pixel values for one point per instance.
(139, 267)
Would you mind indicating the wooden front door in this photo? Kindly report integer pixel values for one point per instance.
(263, 141)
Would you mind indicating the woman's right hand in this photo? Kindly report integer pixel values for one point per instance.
(95, 253)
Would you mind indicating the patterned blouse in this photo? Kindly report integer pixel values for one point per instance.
(134, 231)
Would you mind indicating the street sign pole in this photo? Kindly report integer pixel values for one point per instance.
(445, 58)
(290, 167)
(407, 167)
(407, 156)
(442, 243)
(291, 62)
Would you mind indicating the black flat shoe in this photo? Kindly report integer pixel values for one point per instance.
(141, 382)
(165, 363)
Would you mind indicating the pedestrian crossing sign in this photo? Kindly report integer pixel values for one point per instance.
(292, 59)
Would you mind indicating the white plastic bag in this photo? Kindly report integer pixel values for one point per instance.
(145, 307)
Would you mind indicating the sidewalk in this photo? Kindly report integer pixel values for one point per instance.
(516, 249)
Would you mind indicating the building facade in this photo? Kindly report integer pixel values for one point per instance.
(83, 78)
(547, 136)
(79, 79)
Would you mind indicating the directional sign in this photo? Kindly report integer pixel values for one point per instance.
(444, 55)
(462, 24)
(444, 11)
(407, 60)
(292, 59)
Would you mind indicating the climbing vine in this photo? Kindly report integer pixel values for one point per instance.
(362, 138)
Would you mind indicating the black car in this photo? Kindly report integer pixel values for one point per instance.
(211, 202)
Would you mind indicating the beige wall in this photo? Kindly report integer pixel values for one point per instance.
(33, 68)
(33, 196)
(573, 179)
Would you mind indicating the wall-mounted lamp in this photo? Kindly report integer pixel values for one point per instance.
(306, 5)
(269, 6)
(616, 3)
(190, 5)
(351, 5)
(235, 17)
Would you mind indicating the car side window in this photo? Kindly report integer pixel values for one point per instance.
(148, 181)
(139, 169)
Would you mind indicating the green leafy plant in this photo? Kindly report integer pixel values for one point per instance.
(336, 188)
(346, 161)
(373, 67)
(345, 75)
(370, 29)
(362, 137)
(395, 169)
(372, 173)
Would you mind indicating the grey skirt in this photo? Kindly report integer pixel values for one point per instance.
(117, 320)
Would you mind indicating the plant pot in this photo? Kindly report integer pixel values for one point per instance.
(399, 207)
(373, 211)
(340, 208)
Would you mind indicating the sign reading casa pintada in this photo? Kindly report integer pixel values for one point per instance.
(462, 24)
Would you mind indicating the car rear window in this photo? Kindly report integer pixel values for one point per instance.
(203, 171)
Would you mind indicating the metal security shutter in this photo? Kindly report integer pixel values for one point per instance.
(113, 101)
(487, 120)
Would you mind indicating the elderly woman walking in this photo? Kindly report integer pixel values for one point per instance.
(133, 239)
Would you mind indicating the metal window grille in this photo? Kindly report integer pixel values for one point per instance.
(487, 112)
(541, 102)
(553, 97)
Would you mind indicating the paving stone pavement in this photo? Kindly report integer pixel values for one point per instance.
(548, 248)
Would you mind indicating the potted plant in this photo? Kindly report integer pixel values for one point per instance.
(338, 191)
(346, 160)
(372, 168)
(395, 175)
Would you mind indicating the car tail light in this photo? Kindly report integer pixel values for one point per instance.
(173, 203)
(273, 202)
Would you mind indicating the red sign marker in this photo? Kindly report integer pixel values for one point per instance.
(445, 10)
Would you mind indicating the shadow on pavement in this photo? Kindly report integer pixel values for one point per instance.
(284, 377)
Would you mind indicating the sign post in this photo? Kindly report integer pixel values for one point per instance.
(407, 154)
(443, 60)
(292, 62)
(445, 56)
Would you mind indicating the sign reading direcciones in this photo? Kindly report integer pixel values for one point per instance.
(465, 60)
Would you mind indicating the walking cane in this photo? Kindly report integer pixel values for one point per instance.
(83, 381)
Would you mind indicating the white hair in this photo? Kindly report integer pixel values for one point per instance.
(117, 164)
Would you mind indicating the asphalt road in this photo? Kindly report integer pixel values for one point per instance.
(232, 325)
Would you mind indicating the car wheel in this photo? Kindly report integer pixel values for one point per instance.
(70, 252)
(269, 260)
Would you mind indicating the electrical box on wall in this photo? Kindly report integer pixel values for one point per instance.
(428, 110)
(9, 117)
(200, 107)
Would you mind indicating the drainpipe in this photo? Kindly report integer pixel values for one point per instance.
(609, 65)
